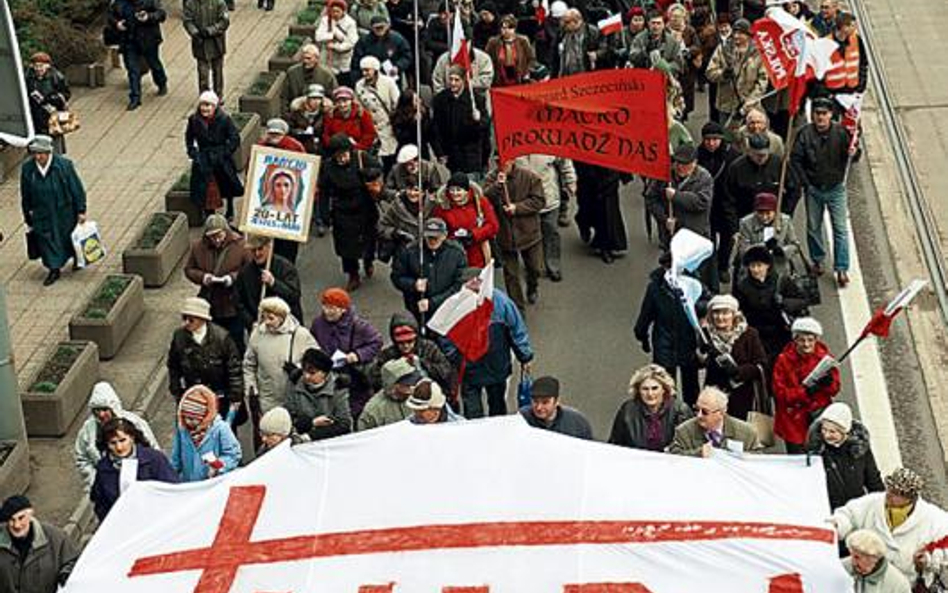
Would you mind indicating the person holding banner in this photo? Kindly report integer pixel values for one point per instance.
(460, 124)
(713, 428)
(647, 420)
(799, 394)
(266, 274)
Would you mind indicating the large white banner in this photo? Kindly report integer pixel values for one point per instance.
(480, 507)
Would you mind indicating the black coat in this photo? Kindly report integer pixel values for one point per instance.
(746, 179)
(353, 212)
(215, 363)
(456, 135)
(851, 469)
(766, 306)
(631, 423)
(752, 367)
(443, 269)
(716, 163)
(393, 48)
(141, 34)
(432, 359)
(673, 339)
(46, 94)
(211, 147)
(286, 285)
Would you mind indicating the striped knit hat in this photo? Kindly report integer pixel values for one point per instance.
(193, 405)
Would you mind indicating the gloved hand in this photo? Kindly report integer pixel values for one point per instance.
(646, 347)
(726, 363)
(404, 236)
(464, 236)
(771, 243)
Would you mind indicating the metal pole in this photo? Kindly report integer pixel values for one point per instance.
(420, 140)
(11, 411)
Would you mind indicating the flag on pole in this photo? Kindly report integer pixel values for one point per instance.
(881, 320)
(852, 106)
(464, 318)
(460, 54)
(610, 25)
(541, 11)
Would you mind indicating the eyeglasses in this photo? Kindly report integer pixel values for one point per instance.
(705, 411)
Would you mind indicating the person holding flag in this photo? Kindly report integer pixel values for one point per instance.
(460, 123)
(511, 53)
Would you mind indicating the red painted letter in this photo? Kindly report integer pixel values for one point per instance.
(786, 583)
(607, 588)
(377, 588)
(483, 589)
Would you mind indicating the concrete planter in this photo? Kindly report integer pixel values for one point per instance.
(266, 105)
(11, 158)
(278, 63)
(15, 470)
(109, 332)
(155, 264)
(249, 134)
(51, 414)
(88, 75)
(305, 31)
(178, 199)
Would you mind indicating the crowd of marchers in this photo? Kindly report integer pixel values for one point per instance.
(408, 182)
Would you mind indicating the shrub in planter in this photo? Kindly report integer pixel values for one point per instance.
(263, 96)
(60, 389)
(159, 248)
(305, 25)
(249, 126)
(286, 53)
(178, 199)
(111, 313)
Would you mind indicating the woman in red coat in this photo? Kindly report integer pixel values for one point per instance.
(797, 404)
(470, 218)
(349, 117)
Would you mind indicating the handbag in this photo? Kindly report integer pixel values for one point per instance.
(63, 122)
(761, 414)
(32, 245)
(524, 388)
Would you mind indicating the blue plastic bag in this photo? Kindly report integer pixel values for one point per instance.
(524, 389)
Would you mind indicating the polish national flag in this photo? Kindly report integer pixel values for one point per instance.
(460, 54)
(541, 11)
(852, 106)
(464, 318)
(610, 25)
(881, 320)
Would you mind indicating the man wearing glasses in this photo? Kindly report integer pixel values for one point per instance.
(712, 428)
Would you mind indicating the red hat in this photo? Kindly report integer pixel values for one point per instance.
(336, 297)
(634, 11)
(404, 333)
(41, 57)
(765, 201)
(340, 3)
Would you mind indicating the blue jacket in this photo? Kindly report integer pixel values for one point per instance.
(152, 465)
(507, 332)
(186, 458)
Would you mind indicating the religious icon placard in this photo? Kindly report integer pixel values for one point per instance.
(280, 193)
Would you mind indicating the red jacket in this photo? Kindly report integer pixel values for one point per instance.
(358, 126)
(286, 143)
(793, 404)
(465, 217)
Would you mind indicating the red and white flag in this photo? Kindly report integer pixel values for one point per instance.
(610, 25)
(852, 112)
(460, 53)
(541, 11)
(881, 320)
(464, 318)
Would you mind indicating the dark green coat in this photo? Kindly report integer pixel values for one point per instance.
(51, 206)
(206, 23)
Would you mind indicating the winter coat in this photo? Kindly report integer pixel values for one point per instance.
(86, 449)
(673, 341)
(750, 231)
(669, 48)
(568, 421)
(558, 176)
(433, 175)
(211, 146)
(382, 410)
(794, 407)
(141, 34)
(745, 179)
(47, 565)
(380, 100)
(821, 157)
(524, 59)
(741, 81)
(206, 22)
(482, 73)
(766, 306)
(51, 94)
(523, 189)
(886, 578)
(457, 135)
(691, 204)
(391, 48)
(362, 12)
(442, 268)
(267, 352)
(749, 355)
(507, 333)
(926, 524)
(353, 212)
(286, 285)
(850, 468)
(351, 334)
(51, 205)
(299, 78)
(226, 261)
(717, 163)
(152, 466)
(591, 42)
(306, 126)
(630, 426)
(187, 458)
(336, 43)
(690, 437)
(427, 357)
(398, 225)
(214, 363)
(477, 217)
(358, 126)
(305, 402)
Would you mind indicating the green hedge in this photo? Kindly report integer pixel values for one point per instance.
(68, 30)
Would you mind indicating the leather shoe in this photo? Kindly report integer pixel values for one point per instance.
(162, 90)
(555, 276)
(563, 219)
(320, 230)
(842, 278)
(532, 296)
(133, 105)
(585, 233)
(52, 277)
(817, 269)
(607, 257)
(354, 282)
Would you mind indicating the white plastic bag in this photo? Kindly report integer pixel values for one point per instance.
(87, 244)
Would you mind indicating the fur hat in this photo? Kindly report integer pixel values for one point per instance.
(905, 482)
(806, 325)
(723, 301)
(276, 421)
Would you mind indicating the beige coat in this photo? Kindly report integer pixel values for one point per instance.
(741, 80)
(266, 354)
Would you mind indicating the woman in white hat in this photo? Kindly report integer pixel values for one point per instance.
(797, 403)
(733, 355)
(211, 139)
(843, 443)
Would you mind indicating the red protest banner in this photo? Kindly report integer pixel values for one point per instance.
(612, 118)
(777, 49)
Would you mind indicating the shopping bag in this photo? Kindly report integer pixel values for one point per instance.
(87, 243)
(524, 389)
(761, 415)
(32, 245)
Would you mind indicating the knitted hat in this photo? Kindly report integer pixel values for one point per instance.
(905, 482)
(336, 297)
(277, 126)
(558, 9)
(194, 403)
(459, 179)
(274, 305)
(276, 421)
(806, 325)
(340, 3)
(427, 395)
(197, 307)
(209, 97)
(215, 222)
(839, 414)
(765, 201)
(342, 92)
(370, 63)
(406, 153)
(723, 301)
(13, 505)
(712, 129)
(315, 91)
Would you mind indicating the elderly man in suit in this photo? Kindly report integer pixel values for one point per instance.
(712, 428)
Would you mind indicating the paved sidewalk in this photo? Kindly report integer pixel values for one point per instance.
(127, 162)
